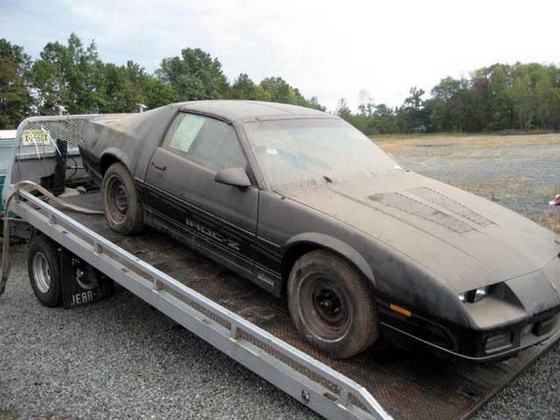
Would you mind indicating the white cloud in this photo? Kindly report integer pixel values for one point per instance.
(327, 49)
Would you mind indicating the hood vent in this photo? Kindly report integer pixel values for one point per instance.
(451, 205)
(410, 205)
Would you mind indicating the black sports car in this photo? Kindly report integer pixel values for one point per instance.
(300, 202)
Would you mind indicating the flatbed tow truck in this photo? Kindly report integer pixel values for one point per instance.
(238, 318)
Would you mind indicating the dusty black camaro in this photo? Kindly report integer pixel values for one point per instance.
(298, 201)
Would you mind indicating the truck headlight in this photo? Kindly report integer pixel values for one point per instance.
(474, 295)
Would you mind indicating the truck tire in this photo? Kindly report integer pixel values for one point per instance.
(123, 209)
(43, 265)
(331, 304)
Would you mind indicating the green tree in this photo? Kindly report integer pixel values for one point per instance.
(245, 88)
(523, 97)
(279, 90)
(344, 112)
(383, 120)
(500, 107)
(342, 109)
(15, 98)
(449, 112)
(121, 88)
(314, 103)
(70, 75)
(157, 93)
(124, 87)
(194, 76)
(412, 116)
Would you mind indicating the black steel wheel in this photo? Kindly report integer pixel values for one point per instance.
(123, 209)
(331, 304)
(43, 265)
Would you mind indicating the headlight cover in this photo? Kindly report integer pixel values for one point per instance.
(474, 295)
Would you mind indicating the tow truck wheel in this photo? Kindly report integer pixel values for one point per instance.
(43, 265)
(331, 304)
(123, 209)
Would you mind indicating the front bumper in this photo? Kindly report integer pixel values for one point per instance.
(469, 344)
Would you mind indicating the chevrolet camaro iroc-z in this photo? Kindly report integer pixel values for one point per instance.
(305, 206)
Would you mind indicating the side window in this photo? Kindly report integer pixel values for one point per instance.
(186, 128)
(209, 142)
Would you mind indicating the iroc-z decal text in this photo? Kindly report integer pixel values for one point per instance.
(224, 240)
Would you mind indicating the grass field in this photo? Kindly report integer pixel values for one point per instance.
(464, 144)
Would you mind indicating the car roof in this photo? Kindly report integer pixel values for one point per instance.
(234, 110)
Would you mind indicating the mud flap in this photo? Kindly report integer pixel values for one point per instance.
(81, 283)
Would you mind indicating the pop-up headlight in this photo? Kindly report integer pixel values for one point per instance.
(474, 295)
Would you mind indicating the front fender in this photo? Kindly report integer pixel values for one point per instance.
(335, 245)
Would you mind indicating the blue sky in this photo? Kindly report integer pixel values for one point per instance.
(327, 49)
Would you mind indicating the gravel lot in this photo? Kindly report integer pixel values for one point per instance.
(118, 358)
(121, 359)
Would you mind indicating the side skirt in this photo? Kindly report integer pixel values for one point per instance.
(266, 280)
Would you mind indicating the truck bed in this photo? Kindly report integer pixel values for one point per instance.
(407, 384)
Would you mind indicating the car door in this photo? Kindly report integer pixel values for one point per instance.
(185, 200)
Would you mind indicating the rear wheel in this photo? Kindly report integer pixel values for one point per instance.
(331, 304)
(43, 266)
(123, 209)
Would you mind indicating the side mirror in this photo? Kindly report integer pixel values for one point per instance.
(236, 177)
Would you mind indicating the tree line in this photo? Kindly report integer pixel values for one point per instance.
(501, 97)
(73, 76)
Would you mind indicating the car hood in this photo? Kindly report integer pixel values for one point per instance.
(465, 240)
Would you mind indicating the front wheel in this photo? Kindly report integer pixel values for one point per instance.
(43, 265)
(331, 304)
(123, 209)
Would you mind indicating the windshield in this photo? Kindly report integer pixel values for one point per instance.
(296, 153)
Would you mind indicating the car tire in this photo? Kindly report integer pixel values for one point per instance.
(43, 264)
(331, 304)
(123, 208)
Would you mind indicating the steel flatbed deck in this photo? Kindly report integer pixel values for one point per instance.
(255, 328)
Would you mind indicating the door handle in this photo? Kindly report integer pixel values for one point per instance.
(158, 165)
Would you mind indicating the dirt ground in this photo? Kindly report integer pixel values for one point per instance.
(520, 172)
